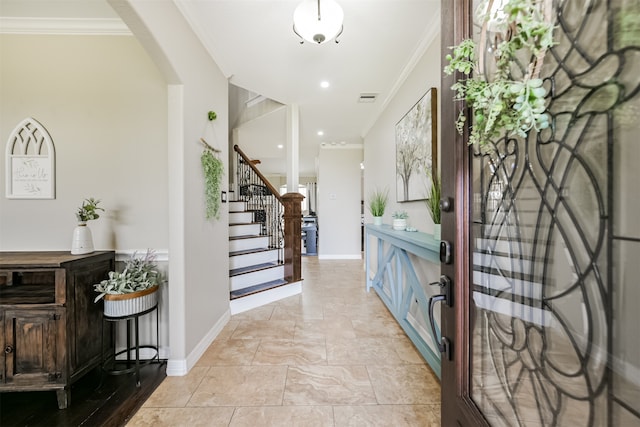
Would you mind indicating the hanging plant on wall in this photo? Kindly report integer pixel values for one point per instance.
(507, 93)
(213, 169)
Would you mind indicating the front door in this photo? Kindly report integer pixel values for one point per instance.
(545, 237)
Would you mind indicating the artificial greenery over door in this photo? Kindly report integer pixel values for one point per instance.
(506, 94)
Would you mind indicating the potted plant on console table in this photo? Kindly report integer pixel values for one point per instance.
(132, 291)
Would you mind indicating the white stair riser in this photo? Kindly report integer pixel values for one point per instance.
(244, 230)
(248, 244)
(250, 279)
(246, 260)
(240, 217)
(237, 206)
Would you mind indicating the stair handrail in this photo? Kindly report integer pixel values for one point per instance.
(266, 182)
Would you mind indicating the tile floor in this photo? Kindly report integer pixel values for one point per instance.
(332, 356)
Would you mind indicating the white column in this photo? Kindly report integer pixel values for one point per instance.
(293, 148)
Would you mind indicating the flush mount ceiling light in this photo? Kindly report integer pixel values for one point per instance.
(318, 21)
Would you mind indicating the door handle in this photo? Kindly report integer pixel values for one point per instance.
(444, 345)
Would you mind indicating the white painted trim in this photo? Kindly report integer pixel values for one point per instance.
(162, 255)
(338, 256)
(181, 367)
(64, 26)
(258, 300)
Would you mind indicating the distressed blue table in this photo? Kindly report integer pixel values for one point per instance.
(396, 282)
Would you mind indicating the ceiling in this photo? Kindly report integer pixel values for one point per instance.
(253, 43)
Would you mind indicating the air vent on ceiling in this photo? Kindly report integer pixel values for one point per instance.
(367, 97)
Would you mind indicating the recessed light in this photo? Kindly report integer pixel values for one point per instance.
(320, 133)
(280, 146)
(324, 84)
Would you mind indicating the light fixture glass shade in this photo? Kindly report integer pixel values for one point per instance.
(318, 21)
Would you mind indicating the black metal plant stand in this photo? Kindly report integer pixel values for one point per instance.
(114, 366)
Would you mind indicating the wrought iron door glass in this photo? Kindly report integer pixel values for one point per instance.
(556, 240)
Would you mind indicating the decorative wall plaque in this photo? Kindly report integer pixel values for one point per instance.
(30, 162)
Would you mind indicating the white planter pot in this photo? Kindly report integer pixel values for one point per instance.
(82, 242)
(399, 224)
(437, 231)
(128, 304)
(377, 220)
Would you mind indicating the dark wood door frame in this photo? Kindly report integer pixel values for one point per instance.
(457, 406)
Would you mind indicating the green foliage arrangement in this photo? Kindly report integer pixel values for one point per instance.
(213, 169)
(378, 201)
(400, 215)
(89, 210)
(499, 102)
(433, 199)
(139, 273)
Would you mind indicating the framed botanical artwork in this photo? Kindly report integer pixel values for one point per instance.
(417, 149)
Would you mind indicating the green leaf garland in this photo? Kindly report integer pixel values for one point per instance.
(501, 103)
(213, 169)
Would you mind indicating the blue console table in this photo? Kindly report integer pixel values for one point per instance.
(395, 281)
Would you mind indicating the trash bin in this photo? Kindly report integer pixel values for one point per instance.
(310, 242)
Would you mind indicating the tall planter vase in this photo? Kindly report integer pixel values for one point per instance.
(82, 242)
(437, 231)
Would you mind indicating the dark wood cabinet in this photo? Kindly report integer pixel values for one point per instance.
(50, 328)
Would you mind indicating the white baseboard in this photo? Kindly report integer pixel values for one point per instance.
(181, 367)
(258, 300)
(338, 256)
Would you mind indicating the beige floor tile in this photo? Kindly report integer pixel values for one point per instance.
(264, 329)
(176, 391)
(230, 353)
(299, 313)
(260, 313)
(227, 331)
(404, 384)
(241, 386)
(291, 352)
(181, 417)
(377, 327)
(372, 351)
(298, 416)
(386, 416)
(337, 327)
(328, 385)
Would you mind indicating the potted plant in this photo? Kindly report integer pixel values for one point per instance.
(377, 204)
(400, 220)
(82, 242)
(433, 204)
(133, 290)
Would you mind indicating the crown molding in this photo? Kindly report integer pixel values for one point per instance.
(64, 26)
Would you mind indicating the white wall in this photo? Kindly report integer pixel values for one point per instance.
(104, 103)
(339, 196)
(379, 142)
(199, 263)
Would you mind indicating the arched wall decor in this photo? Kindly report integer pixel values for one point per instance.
(30, 162)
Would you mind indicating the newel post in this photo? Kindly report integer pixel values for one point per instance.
(292, 236)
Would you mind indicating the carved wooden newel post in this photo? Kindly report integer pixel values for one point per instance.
(292, 233)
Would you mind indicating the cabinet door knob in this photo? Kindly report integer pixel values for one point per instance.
(8, 349)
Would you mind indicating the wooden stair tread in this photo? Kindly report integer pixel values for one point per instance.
(261, 287)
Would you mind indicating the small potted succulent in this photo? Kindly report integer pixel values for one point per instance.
(400, 220)
(82, 242)
(133, 290)
(377, 204)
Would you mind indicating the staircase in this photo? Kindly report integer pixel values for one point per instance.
(256, 274)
